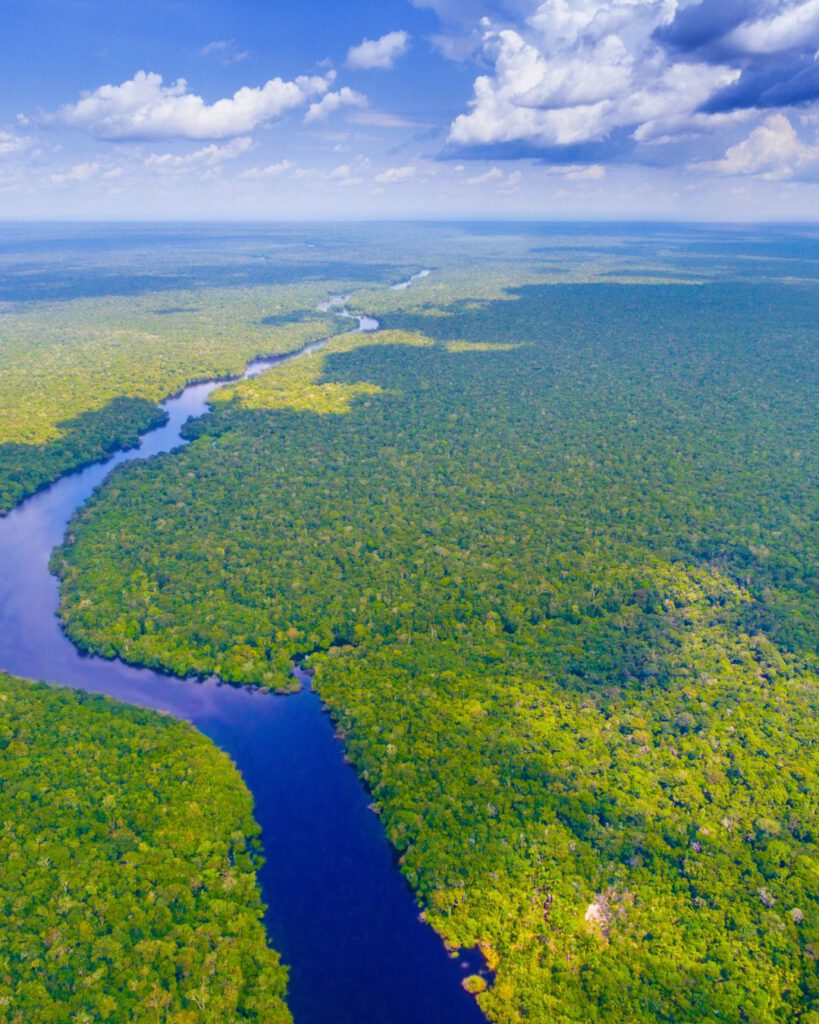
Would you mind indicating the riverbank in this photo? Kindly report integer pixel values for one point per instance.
(339, 912)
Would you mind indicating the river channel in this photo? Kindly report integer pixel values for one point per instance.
(339, 911)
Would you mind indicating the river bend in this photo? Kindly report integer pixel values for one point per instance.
(339, 911)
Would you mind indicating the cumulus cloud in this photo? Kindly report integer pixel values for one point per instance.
(333, 101)
(795, 26)
(773, 42)
(378, 54)
(143, 108)
(773, 151)
(596, 80)
(582, 70)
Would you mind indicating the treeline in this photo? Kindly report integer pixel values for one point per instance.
(566, 595)
(25, 468)
(82, 378)
(128, 890)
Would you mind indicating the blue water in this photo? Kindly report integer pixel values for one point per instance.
(339, 911)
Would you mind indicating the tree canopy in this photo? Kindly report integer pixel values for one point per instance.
(128, 889)
(554, 570)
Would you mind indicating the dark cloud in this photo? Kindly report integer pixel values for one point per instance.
(778, 81)
(785, 79)
(702, 27)
(618, 144)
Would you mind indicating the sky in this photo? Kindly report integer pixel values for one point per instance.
(319, 109)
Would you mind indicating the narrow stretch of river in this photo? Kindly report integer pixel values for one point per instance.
(339, 910)
(402, 286)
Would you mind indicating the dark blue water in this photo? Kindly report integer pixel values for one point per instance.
(338, 909)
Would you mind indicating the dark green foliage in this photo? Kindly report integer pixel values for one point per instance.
(128, 851)
(25, 468)
(566, 593)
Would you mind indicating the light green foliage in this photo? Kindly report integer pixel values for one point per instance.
(81, 378)
(565, 593)
(298, 385)
(478, 346)
(128, 888)
(78, 356)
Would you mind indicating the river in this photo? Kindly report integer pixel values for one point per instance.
(339, 911)
(402, 286)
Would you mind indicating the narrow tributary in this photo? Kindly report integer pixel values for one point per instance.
(339, 910)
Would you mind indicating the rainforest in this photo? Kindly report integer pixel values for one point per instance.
(543, 548)
(129, 853)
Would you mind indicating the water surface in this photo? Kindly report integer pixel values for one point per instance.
(338, 909)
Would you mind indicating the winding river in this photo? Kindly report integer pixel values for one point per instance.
(339, 911)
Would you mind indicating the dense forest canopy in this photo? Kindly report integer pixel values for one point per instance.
(128, 888)
(554, 568)
(82, 378)
(100, 323)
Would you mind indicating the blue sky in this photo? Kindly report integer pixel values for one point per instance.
(432, 108)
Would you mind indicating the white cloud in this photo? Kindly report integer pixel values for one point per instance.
(208, 159)
(504, 183)
(512, 182)
(225, 51)
(342, 171)
(793, 27)
(144, 108)
(395, 174)
(10, 143)
(78, 173)
(494, 174)
(675, 128)
(579, 172)
(773, 151)
(208, 155)
(378, 54)
(580, 69)
(330, 103)
(348, 174)
(270, 171)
